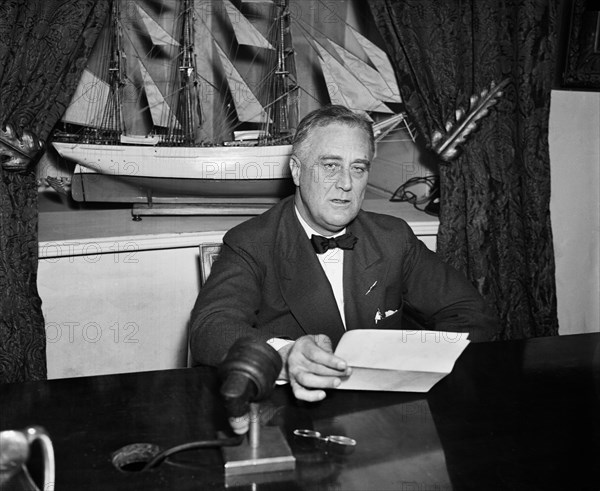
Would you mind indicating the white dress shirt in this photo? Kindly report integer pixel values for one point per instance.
(332, 263)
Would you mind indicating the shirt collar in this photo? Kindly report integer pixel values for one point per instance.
(311, 231)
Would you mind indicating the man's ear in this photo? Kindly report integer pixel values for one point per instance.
(295, 169)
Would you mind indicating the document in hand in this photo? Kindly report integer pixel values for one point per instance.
(396, 360)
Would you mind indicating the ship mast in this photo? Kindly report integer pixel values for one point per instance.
(189, 107)
(112, 118)
(284, 111)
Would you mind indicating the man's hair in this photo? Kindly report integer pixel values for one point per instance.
(326, 115)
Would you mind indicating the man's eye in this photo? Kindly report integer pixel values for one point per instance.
(330, 166)
(359, 170)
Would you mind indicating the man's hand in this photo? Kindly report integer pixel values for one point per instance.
(311, 366)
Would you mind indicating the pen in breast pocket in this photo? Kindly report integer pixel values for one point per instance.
(372, 286)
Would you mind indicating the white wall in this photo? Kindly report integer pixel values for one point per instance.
(575, 208)
(120, 312)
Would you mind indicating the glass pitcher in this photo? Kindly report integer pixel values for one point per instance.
(15, 450)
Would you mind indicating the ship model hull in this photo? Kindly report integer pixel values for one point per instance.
(143, 173)
(90, 186)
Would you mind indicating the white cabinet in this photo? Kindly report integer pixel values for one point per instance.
(117, 312)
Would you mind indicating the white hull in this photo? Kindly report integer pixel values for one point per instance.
(90, 186)
(210, 163)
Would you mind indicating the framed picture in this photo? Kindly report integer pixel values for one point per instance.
(582, 56)
(209, 253)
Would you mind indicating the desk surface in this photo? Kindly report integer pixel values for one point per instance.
(512, 415)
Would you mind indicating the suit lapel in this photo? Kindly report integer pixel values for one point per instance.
(304, 285)
(364, 279)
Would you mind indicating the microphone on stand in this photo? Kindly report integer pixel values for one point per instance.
(248, 374)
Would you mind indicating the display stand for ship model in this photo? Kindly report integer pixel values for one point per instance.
(204, 206)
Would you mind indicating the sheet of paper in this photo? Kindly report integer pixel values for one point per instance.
(397, 360)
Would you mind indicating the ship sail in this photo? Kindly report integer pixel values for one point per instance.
(245, 32)
(371, 78)
(159, 36)
(162, 115)
(143, 111)
(246, 104)
(91, 91)
(345, 89)
(380, 61)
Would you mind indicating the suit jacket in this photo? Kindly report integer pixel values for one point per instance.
(268, 283)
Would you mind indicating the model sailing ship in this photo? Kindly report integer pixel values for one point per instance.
(145, 119)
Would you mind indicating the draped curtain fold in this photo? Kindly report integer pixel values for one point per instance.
(44, 46)
(495, 197)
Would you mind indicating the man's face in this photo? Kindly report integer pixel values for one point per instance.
(331, 173)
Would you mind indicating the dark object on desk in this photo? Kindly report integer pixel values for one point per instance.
(155, 459)
(248, 372)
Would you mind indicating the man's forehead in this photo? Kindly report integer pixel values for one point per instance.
(335, 140)
(337, 125)
(327, 133)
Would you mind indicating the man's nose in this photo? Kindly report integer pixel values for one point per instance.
(344, 180)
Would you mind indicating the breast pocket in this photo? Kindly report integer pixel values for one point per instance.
(389, 316)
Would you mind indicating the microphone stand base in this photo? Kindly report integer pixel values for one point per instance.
(273, 454)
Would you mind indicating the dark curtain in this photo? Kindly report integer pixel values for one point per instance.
(44, 46)
(495, 197)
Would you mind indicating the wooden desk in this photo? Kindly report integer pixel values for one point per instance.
(521, 415)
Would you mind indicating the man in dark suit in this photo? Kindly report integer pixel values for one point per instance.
(270, 283)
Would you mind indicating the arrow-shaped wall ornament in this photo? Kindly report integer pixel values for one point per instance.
(445, 144)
